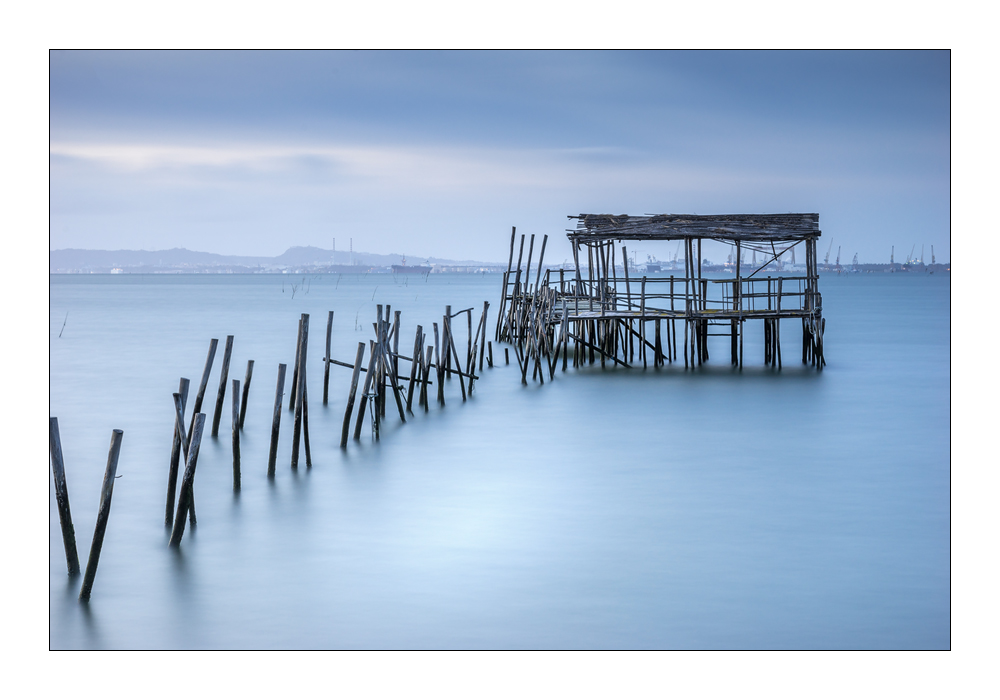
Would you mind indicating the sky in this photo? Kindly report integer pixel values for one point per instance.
(439, 153)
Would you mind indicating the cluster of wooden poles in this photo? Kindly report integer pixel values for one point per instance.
(382, 374)
(382, 377)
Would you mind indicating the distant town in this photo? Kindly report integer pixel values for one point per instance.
(312, 260)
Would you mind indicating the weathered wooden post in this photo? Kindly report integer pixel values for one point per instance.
(276, 421)
(326, 361)
(236, 435)
(246, 392)
(179, 446)
(203, 385)
(414, 368)
(103, 511)
(187, 484)
(299, 389)
(483, 341)
(350, 397)
(295, 370)
(62, 498)
(426, 377)
(226, 356)
(489, 354)
(367, 387)
(438, 366)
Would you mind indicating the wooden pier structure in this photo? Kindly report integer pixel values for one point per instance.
(592, 312)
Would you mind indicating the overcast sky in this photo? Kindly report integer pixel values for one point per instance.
(440, 153)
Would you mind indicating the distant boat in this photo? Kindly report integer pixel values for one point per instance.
(409, 269)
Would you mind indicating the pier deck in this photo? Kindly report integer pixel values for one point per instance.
(604, 313)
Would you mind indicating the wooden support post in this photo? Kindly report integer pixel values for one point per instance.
(489, 353)
(642, 321)
(187, 484)
(236, 435)
(350, 397)
(202, 386)
(246, 392)
(395, 345)
(299, 388)
(439, 370)
(527, 269)
(414, 367)
(365, 390)
(483, 341)
(62, 499)
(226, 356)
(179, 446)
(279, 391)
(394, 386)
(103, 511)
(326, 369)
(295, 370)
(658, 347)
(426, 376)
(451, 345)
(506, 356)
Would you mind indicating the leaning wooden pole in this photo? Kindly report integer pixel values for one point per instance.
(299, 389)
(62, 498)
(103, 512)
(236, 435)
(350, 398)
(326, 360)
(187, 485)
(246, 392)
(226, 356)
(203, 385)
(179, 446)
(276, 421)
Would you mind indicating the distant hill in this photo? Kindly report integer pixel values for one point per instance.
(180, 259)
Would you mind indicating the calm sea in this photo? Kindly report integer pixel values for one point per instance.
(606, 509)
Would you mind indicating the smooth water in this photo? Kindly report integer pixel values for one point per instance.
(605, 509)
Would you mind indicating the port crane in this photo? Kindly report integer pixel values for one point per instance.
(921, 255)
(933, 261)
(909, 258)
(854, 263)
(837, 264)
(892, 256)
(826, 259)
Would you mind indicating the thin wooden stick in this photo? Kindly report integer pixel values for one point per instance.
(236, 435)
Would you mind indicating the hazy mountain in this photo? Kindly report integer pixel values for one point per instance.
(77, 259)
